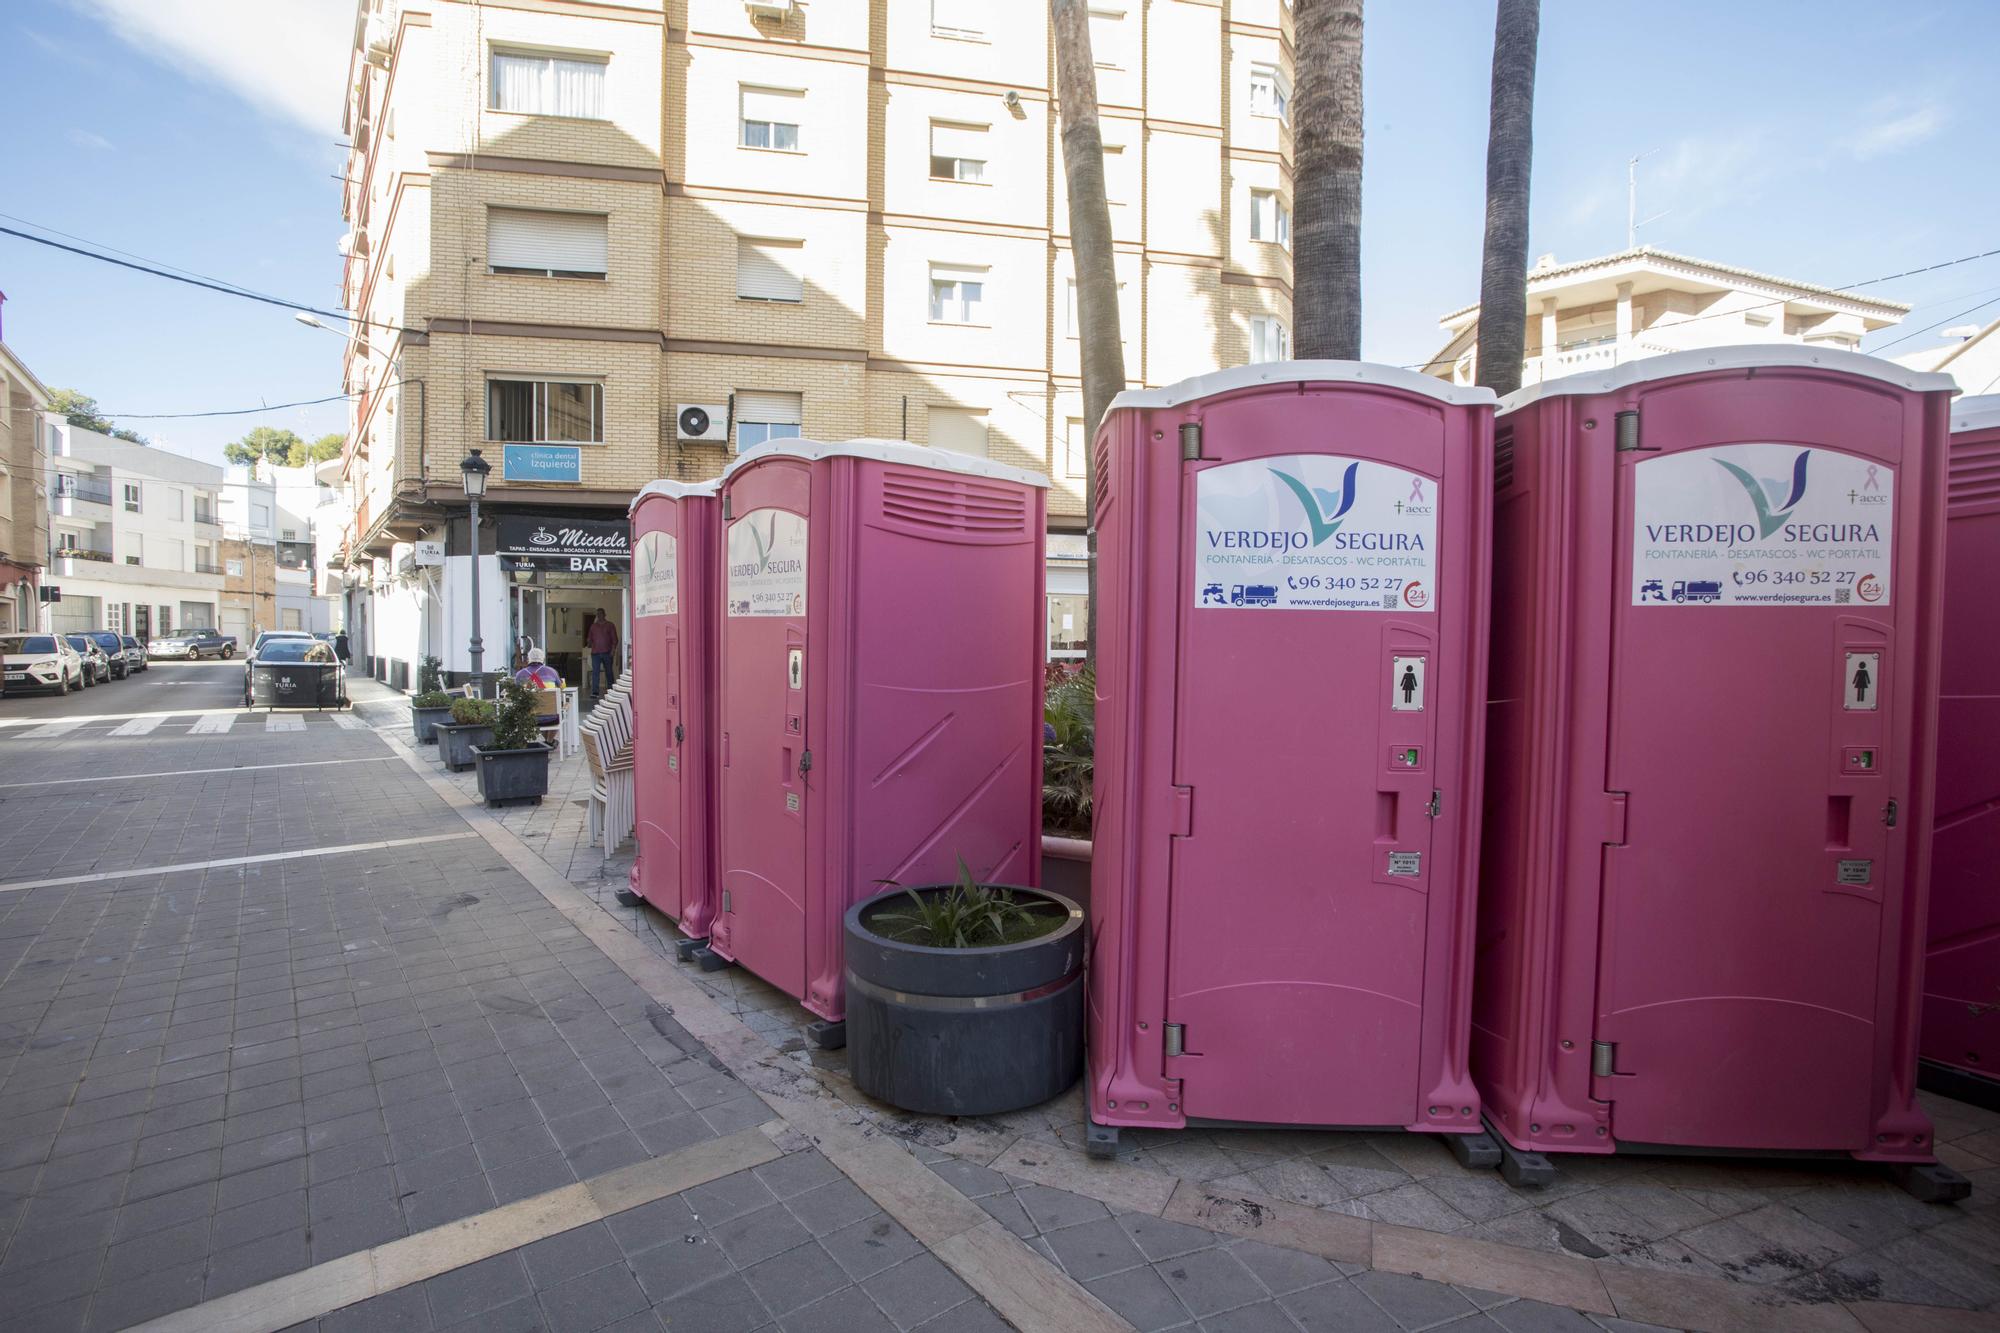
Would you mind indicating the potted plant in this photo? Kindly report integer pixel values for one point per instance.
(965, 998)
(514, 766)
(471, 724)
(430, 705)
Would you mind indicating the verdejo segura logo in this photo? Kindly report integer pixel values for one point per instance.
(1763, 491)
(1316, 502)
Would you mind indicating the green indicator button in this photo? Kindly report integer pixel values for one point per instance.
(1410, 758)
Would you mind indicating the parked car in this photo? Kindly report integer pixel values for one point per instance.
(40, 663)
(135, 653)
(265, 636)
(293, 671)
(113, 645)
(192, 644)
(96, 665)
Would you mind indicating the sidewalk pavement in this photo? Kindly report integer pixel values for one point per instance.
(450, 1080)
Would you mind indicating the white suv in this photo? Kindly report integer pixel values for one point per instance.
(37, 662)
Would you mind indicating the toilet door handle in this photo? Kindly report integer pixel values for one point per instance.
(680, 733)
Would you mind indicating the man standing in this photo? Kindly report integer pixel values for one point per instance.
(602, 640)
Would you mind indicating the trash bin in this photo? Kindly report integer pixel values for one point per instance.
(1961, 1028)
(881, 692)
(675, 604)
(1716, 587)
(1292, 604)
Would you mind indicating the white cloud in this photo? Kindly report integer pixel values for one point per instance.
(86, 139)
(287, 58)
(1897, 128)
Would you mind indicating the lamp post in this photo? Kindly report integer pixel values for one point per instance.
(473, 472)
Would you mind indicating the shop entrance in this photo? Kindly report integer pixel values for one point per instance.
(551, 609)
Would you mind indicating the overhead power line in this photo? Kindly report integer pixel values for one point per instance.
(243, 411)
(224, 288)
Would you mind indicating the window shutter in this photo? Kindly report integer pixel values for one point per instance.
(558, 242)
(769, 270)
(771, 409)
(968, 141)
(780, 106)
(959, 430)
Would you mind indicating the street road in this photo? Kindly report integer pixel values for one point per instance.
(168, 685)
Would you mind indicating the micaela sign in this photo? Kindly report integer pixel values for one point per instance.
(578, 544)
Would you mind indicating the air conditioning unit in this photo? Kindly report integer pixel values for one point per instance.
(702, 421)
(770, 9)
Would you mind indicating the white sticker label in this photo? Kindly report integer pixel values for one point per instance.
(1854, 872)
(655, 575)
(1406, 684)
(767, 564)
(1315, 532)
(795, 668)
(1406, 863)
(1764, 525)
(1862, 680)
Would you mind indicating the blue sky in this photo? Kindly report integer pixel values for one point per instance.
(1828, 142)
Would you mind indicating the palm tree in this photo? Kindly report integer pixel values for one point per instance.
(1326, 152)
(1098, 336)
(1510, 150)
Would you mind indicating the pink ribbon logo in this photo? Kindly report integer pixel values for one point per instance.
(1871, 484)
(1416, 490)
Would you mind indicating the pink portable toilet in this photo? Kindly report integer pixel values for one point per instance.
(1961, 1032)
(675, 604)
(881, 692)
(1717, 581)
(1291, 653)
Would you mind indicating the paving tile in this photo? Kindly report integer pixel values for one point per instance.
(121, 1304)
(1535, 1317)
(250, 1221)
(1158, 1238)
(1412, 1302)
(1210, 1281)
(557, 1259)
(726, 1305)
(525, 1179)
(1264, 1317)
(796, 1277)
(865, 1248)
(916, 1290)
(592, 1301)
(974, 1316)
(731, 1196)
(261, 1260)
(679, 1266)
(1142, 1298)
(1053, 1209)
(829, 1207)
(169, 1247)
(447, 1202)
(1338, 1307)
(1094, 1249)
(399, 1311)
(1282, 1271)
(796, 1173)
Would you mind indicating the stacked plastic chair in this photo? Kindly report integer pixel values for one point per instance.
(607, 744)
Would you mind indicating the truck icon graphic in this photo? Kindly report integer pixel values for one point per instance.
(1256, 594)
(1212, 595)
(1697, 590)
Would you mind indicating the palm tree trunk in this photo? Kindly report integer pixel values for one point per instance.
(1326, 151)
(1510, 151)
(1098, 337)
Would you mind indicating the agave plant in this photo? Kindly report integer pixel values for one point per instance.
(1069, 729)
(964, 916)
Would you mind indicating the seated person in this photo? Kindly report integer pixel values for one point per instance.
(538, 674)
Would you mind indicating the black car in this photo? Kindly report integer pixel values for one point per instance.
(113, 645)
(96, 662)
(135, 653)
(296, 672)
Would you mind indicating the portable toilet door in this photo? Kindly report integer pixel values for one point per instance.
(1292, 590)
(674, 612)
(880, 692)
(1961, 1030)
(1702, 899)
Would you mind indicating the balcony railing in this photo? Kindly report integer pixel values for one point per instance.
(203, 514)
(84, 490)
(202, 566)
(83, 553)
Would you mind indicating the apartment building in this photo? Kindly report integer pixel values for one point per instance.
(24, 505)
(133, 534)
(607, 242)
(268, 515)
(1642, 302)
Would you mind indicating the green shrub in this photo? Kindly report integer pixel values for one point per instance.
(430, 679)
(468, 712)
(1069, 735)
(964, 916)
(515, 726)
(431, 699)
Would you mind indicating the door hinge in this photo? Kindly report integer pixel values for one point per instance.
(1436, 803)
(725, 900)
(1183, 813)
(1190, 441)
(725, 506)
(680, 733)
(1625, 430)
(805, 761)
(1603, 1058)
(1176, 1041)
(1889, 814)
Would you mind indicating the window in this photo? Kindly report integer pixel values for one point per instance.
(288, 617)
(1270, 95)
(260, 519)
(1075, 448)
(1125, 320)
(771, 118)
(1269, 340)
(1068, 615)
(549, 85)
(1270, 220)
(544, 411)
(963, 19)
(957, 295)
(546, 245)
(768, 270)
(1118, 189)
(176, 502)
(1107, 36)
(762, 415)
(166, 620)
(959, 430)
(131, 497)
(958, 152)
(6, 492)
(114, 617)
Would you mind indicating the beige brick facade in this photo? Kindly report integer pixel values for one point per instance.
(658, 148)
(24, 501)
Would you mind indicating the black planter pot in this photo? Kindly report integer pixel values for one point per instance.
(423, 722)
(456, 739)
(512, 777)
(965, 1031)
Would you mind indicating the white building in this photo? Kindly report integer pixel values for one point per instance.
(273, 507)
(1595, 313)
(1972, 357)
(133, 534)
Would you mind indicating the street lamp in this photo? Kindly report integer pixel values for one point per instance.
(473, 472)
